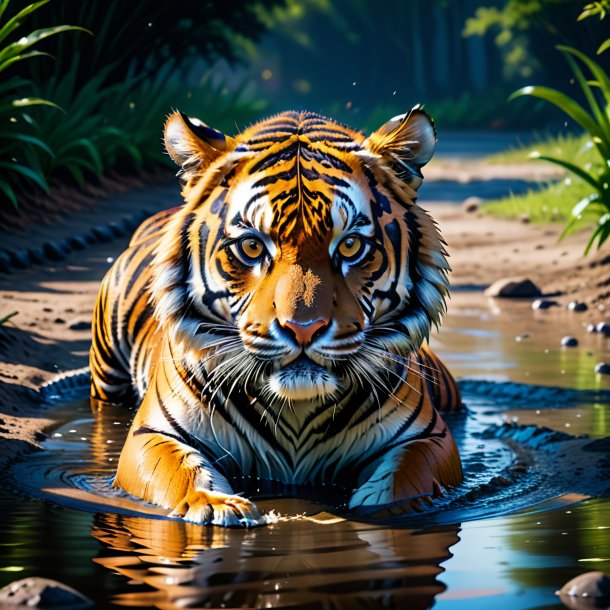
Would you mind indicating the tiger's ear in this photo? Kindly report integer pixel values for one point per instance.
(192, 144)
(407, 142)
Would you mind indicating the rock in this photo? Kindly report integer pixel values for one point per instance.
(589, 590)
(569, 342)
(38, 592)
(602, 368)
(544, 304)
(53, 251)
(37, 255)
(59, 321)
(78, 242)
(577, 306)
(79, 325)
(103, 234)
(5, 262)
(471, 205)
(21, 259)
(117, 229)
(603, 328)
(591, 328)
(511, 287)
(525, 218)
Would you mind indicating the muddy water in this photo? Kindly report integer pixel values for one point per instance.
(528, 518)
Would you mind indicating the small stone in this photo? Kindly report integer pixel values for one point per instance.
(577, 306)
(103, 234)
(591, 328)
(59, 321)
(117, 229)
(569, 342)
(5, 262)
(602, 368)
(603, 328)
(79, 325)
(525, 218)
(21, 259)
(38, 592)
(53, 251)
(588, 586)
(37, 255)
(471, 205)
(544, 304)
(512, 287)
(77, 242)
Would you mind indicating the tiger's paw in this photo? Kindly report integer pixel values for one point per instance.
(209, 507)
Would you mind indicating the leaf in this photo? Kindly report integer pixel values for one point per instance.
(13, 23)
(600, 116)
(17, 58)
(24, 137)
(26, 101)
(575, 169)
(7, 317)
(34, 37)
(7, 189)
(604, 46)
(28, 173)
(564, 103)
(598, 72)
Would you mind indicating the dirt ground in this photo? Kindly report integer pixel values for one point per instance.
(51, 334)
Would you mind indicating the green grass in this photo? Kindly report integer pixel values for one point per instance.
(553, 202)
(561, 146)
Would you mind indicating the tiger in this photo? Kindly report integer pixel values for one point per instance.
(274, 328)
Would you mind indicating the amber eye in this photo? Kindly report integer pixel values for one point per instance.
(250, 250)
(352, 249)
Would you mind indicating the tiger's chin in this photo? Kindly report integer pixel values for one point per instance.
(302, 381)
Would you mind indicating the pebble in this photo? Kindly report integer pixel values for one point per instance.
(524, 218)
(53, 251)
(117, 229)
(544, 304)
(511, 287)
(588, 590)
(79, 325)
(21, 259)
(569, 341)
(602, 368)
(591, 328)
(577, 306)
(603, 328)
(471, 204)
(78, 242)
(59, 321)
(37, 255)
(36, 592)
(5, 262)
(103, 234)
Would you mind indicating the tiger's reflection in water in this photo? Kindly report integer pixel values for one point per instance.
(307, 562)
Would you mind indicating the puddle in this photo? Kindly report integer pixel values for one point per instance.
(527, 519)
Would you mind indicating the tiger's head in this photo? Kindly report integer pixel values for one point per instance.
(301, 263)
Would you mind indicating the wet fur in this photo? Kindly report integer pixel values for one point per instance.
(182, 327)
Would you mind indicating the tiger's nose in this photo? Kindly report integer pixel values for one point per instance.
(304, 331)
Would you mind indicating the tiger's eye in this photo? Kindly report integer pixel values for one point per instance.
(252, 248)
(350, 247)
